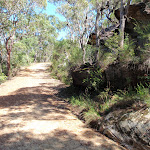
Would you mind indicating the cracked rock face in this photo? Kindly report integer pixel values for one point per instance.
(131, 129)
(137, 125)
(137, 13)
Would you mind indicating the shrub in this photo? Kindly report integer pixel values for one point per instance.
(94, 80)
(65, 55)
(3, 77)
(143, 93)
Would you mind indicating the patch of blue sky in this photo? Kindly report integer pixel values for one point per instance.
(51, 10)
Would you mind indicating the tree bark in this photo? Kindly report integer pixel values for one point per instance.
(123, 15)
(8, 64)
(1, 59)
(82, 41)
(122, 23)
(84, 53)
(9, 49)
(8, 57)
(97, 35)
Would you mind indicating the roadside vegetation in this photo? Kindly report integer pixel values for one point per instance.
(94, 102)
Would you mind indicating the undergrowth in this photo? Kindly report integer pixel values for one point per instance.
(97, 105)
(3, 77)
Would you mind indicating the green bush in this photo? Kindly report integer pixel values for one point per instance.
(94, 80)
(3, 77)
(86, 103)
(143, 93)
(143, 39)
(66, 54)
(127, 53)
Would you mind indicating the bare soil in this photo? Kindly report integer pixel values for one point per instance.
(32, 117)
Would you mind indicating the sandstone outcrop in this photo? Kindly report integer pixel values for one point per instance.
(117, 75)
(137, 13)
(131, 129)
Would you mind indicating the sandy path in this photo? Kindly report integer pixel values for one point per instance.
(32, 117)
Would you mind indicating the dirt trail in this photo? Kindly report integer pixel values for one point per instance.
(32, 117)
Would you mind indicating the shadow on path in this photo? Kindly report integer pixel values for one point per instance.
(34, 118)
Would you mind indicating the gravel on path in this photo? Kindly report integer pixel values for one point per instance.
(32, 117)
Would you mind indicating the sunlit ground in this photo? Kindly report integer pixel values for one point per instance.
(32, 117)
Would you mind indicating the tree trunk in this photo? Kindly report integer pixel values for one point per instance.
(8, 64)
(123, 15)
(127, 7)
(82, 41)
(97, 28)
(1, 59)
(1, 70)
(97, 35)
(84, 51)
(9, 49)
(122, 23)
(84, 55)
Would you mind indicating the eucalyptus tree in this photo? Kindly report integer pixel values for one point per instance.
(84, 17)
(80, 22)
(98, 5)
(44, 31)
(104, 17)
(12, 14)
(123, 15)
(1, 57)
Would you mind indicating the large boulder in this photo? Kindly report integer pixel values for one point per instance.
(131, 129)
(82, 75)
(120, 75)
(117, 75)
(137, 13)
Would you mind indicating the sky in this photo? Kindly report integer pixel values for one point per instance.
(51, 10)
